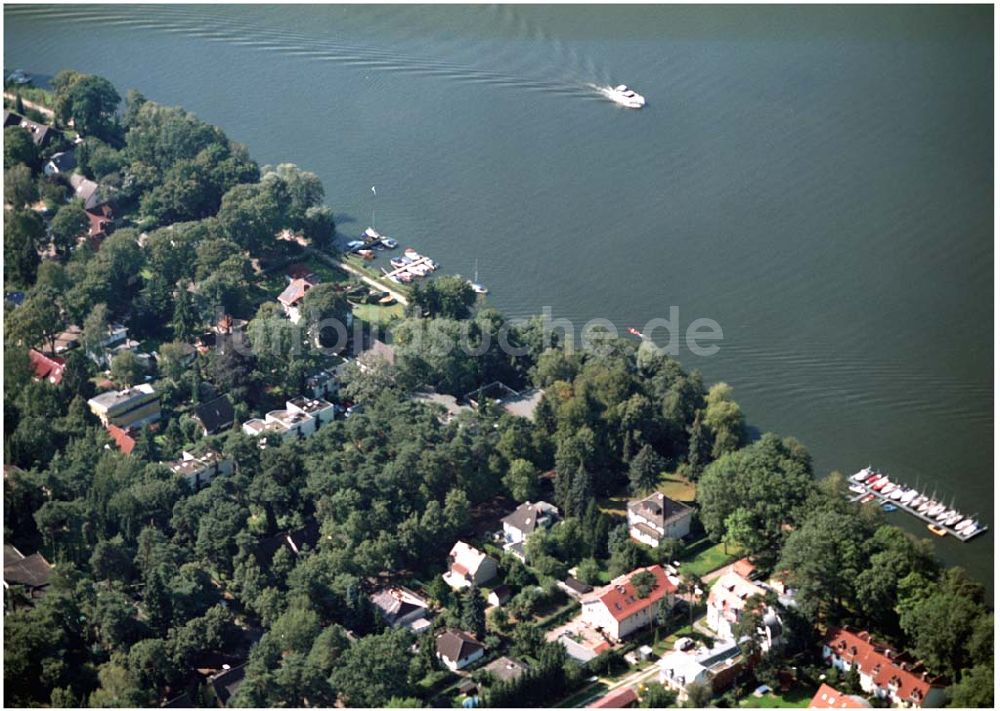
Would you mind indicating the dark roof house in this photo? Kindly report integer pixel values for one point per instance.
(455, 647)
(226, 683)
(28, 573)
(215, 415)
(40, 133)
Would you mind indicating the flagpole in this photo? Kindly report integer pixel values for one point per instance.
(374, 195)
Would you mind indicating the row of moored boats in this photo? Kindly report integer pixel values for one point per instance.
(944, 519)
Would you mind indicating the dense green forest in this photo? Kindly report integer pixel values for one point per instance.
(153, 581)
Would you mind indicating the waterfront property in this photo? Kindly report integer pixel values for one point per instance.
(132, 407)
(884, 672)
(656, 517)
(619, 609)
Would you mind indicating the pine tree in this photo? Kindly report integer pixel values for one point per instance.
(699, 447)
(580, 492)
(644, 471)
(185, 319)
(474, 611)
(19, 105)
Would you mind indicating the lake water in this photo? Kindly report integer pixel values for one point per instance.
(818, 180)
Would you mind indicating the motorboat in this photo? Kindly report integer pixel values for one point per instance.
(936, 530)
(897, 494)
(935, 510)
(909, 497)
(411, 253)
(372, 233)
(857, 488)
(870, 497)
(366, 254)
(889, 508)
(888, 488)
(354, 244)
(19, 76)
(882, 481)
(623, 96)
(419, 270)
(400, 262)
(862, 475)
(389, 243)
(873, 478)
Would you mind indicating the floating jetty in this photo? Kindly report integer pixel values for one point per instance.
(941, 519)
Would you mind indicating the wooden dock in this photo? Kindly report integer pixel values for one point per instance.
(405, 269)
(883, 499)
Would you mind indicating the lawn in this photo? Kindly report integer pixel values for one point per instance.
(583, 694)
(677, 487)
(379, 315)
(704, 556)
(798, 697)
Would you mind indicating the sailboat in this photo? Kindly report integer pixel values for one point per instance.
(474, 283)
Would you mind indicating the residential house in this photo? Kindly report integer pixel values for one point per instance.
(500, 595)
(506, 668)
(457, 649)
(91, 193)
(716, 666)
(656, 517)
(467, 566)
(62, 162)
(215, 415)
(226, 683)
(123, 438)
(520, 524)
(827, 697)
(198, 470)
(574, 588)
(41, 134)
(726, 602)
(68, 339)
(618, 609)
(25, 578)
(325, 383)
(101, 220)
(132, 407)
(400, 607)
(45, 367)
(291, 298)
(884, 672)
(114, 341)
(617, 699)
(300, 418)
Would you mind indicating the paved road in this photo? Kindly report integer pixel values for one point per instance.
(31, 105)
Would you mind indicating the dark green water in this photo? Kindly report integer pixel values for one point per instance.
(818, 180)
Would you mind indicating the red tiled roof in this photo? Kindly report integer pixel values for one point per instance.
(883, 664)
(46, 367)
(616, 699)
(827, 697)
(622, 600)
(123, 439)
(744, 568)
(294, 292)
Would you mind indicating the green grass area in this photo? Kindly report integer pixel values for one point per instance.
(798, 697)
(677, 487)
(379, 315)
(34, 94)
(372, 272)
(705, 556)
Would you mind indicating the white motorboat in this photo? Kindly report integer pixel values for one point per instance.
(389, 243)
(909, 497)
(935, 510)
(857, 488)
(623, 96)
(862, 475)
(897, 494)
(889, 488)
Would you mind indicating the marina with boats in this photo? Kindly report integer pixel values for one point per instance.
(942, 519)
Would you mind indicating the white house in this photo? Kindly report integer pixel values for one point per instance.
(524, 520)
(656, 517)
(457, 649)
(883, 672)
(726, 602)
(301, 418)
(716, 666)
(468, 565)
(618, 608)
(199, 470)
